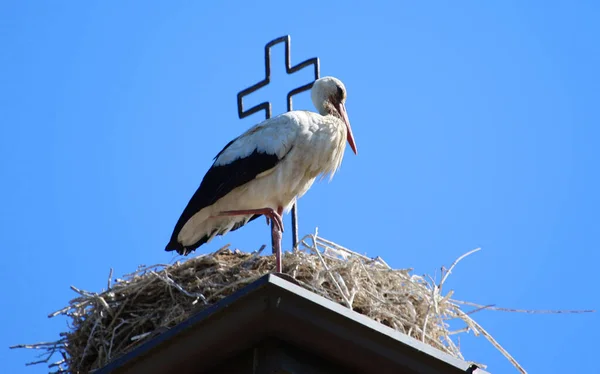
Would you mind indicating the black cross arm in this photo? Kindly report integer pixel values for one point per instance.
(266, 105)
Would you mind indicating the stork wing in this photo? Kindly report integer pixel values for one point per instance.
(259, 149)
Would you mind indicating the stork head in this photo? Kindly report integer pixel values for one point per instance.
(329, 97)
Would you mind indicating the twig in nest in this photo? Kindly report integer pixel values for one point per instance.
(318, 253)
(165, 278)
(110, 274)
(447, 273)
(528, 311)
(493, 341)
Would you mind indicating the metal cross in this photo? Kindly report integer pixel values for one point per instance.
(266, 106)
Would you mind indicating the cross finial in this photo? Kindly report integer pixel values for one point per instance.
(266, 105)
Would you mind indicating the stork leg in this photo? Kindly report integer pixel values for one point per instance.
(276, 227)
(276, 236)
(267, 212)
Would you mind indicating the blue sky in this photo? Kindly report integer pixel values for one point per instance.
(476, 124)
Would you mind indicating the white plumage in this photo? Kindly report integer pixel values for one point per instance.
(267, 168)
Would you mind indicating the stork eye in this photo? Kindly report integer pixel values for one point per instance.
(340, 93)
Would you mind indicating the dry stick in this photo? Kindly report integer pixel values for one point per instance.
(440, 320)
(454, 332)
(250, 258)
(142, 269)
(377, 296)
(232, 285)
(87, 344)
(114, 332)
(494, 342)
(337, 246)
(380, 260)
(140, 336)
(533, 311)
(61, 311)
(438, 290)
(424, 329)
(171, 282)
(118, 313)
(104, 304)
(42, 345)
(110, 274)
(316, 250)
(82, 292)
(454, 264)
(57, 363)
(479, 309)
(49, 347)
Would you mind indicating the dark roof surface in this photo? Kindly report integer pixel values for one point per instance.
(273, 307)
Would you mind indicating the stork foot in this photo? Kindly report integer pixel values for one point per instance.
(269, 213)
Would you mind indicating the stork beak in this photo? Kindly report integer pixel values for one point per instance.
(342, 110)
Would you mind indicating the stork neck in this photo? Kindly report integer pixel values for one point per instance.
(328, 109)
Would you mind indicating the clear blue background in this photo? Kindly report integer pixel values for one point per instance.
(476, 123)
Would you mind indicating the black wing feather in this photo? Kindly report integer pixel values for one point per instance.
(218, 182)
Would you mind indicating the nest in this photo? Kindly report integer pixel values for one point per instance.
(106, 325)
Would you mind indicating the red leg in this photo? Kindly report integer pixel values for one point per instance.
(276, 235)
(267, 212)
(277, 228)
(277, 244)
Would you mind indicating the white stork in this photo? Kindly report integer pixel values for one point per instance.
(264, 171)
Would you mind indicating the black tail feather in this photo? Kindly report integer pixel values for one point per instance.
(174, 245)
